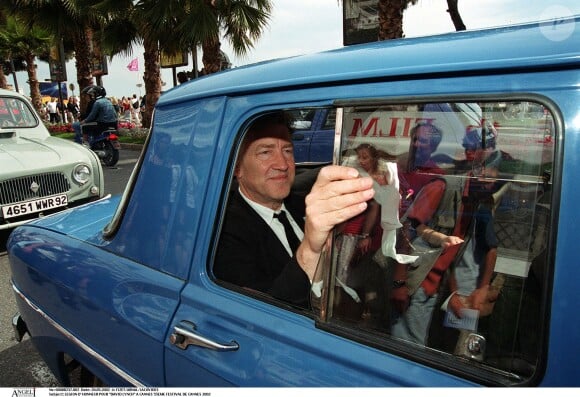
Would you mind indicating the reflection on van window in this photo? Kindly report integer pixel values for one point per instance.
(451, 253)
(302, 119)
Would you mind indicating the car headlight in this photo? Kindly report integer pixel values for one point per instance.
(82, 173)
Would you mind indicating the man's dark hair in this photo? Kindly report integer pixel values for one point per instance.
(263, 122)
(260, 128)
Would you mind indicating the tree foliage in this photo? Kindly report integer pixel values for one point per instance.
(21, 44)
(96, 28)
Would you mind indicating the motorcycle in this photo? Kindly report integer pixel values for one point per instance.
(105, 144)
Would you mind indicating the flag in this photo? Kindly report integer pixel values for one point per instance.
(133, 66)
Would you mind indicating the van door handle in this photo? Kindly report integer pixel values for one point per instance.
(183, 337)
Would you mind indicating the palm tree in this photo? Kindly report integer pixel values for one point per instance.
(174, 25)
(3, 81)
(28, 43)
(70, 19)
(181, 25)
(241, 22)
(156, 26)
(4, 55)
(150, 23)
(9, 62)
(453, 11)
(151, 77)
(391, 18)
(4, 52)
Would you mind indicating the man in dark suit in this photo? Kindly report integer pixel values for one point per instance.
(257, 250)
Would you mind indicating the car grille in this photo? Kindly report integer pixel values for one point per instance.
(22, 189)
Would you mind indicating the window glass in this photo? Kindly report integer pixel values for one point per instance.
(451, 253)
(330, 121)
(302, 118)
(169, 189)
(15, 113)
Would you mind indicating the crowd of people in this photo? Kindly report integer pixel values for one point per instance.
(128, 108)
(438, 247)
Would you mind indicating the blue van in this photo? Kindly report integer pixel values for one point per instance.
(313, 135)
(125, 289)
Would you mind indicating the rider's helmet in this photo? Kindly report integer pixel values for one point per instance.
(95, 91)
(480, 137)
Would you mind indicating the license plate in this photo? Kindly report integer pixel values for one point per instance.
(33, 206)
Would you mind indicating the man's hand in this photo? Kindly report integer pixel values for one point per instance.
(337, 195)
(449, 241)
(436, 238)
(457, 303)
(479, 297)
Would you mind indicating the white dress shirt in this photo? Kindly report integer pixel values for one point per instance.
(268, 215)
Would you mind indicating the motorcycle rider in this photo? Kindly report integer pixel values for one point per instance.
(101, 114)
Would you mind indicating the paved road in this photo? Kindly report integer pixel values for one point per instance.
(20, 364)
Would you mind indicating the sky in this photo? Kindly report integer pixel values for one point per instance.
(306, 26)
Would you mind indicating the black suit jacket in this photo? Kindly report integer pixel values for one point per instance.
(250, 255)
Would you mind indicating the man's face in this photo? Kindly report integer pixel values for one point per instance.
(266, 170)
(421, 149)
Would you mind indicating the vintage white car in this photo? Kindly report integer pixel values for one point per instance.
(40, 174)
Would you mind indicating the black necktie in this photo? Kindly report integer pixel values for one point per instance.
(290, 235)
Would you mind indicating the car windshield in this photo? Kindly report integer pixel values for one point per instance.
(16, 113)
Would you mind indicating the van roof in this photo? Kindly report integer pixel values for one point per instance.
(533, 45)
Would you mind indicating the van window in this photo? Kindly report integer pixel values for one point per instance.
(448, 264)
(451, 255)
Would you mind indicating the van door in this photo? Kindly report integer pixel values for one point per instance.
(244, 341)
(224, 334)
